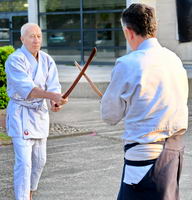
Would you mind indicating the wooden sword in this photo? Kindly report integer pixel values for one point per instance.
(68, 92)
(93, 86)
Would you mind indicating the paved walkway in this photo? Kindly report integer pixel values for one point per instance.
(86, 166)
(85, 155)
(95, 72)
(100, 75)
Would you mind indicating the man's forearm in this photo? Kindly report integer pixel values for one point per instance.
(39, 93)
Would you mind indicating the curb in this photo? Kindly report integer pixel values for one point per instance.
(9, 142)
(5, 143)
(71, 135)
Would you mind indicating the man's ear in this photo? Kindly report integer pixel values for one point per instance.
(131, 33)
(21, 38)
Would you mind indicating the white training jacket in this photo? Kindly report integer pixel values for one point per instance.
(149, 90)
(29, 119)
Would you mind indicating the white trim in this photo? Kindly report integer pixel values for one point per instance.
(32, 11)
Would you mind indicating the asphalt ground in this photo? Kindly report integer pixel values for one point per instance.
(87, 164)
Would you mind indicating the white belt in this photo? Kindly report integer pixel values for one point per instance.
(37, 106)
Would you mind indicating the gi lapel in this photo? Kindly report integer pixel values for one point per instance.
(31, 62)
(39, 76)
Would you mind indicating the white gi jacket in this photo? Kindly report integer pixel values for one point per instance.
(29, 119)
(149, 89)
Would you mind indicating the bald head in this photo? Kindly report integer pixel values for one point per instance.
(31, 37)
(27, 26)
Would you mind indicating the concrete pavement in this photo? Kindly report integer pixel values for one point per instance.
(100, 75)
(85, 156)
(86, 167)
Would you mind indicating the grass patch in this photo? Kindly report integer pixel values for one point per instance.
(4, 137)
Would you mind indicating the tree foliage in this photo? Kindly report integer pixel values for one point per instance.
(4, 53)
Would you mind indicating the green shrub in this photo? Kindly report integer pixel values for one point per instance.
(4, 53)
(3, 97)
(4, 137)
(2, 75)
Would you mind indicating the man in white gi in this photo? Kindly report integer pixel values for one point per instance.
(32, 78)
(149, 90)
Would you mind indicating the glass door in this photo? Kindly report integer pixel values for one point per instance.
(5, 37)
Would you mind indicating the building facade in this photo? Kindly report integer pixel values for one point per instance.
(71, 28)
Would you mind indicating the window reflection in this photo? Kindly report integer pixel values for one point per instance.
(16, 39)
(103, 4)
(102, 20)
(63, 39)
(115, 40)
(59, 5)
(14, 5)
(4, 32)
(17, 22)
(62, 28)
(63, 21)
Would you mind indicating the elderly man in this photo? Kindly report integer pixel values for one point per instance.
(32, 78)
(148, 90)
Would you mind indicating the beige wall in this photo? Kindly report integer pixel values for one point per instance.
(150, 2)
(167, 30)
(167, 27)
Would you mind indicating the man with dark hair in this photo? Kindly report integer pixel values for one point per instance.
(149, 90)
(141, 19)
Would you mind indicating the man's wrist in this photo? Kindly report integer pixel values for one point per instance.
(40, 93)
(48, 95)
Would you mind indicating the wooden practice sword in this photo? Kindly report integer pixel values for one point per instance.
(68, 92)
(93, 86)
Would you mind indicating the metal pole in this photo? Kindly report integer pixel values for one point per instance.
(82, 33)
(32, 11)
(38, 13)
(11, 30)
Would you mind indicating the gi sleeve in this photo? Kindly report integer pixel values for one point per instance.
(18, 76)
(52, 82)
(117, 98)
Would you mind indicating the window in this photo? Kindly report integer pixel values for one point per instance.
(71, 28)
(13, 5)
(13, 14)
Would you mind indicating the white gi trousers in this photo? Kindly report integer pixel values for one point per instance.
(30, 158)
